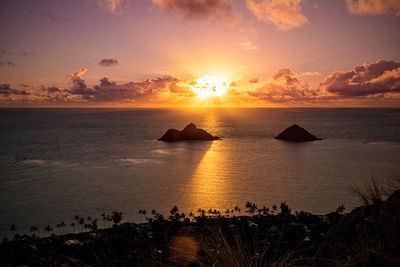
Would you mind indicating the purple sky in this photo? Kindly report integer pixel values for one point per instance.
(153, 51)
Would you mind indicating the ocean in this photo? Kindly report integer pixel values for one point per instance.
(58, 163)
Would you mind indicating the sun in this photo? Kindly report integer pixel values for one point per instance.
(210, 86)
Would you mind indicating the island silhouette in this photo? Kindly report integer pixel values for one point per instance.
(295, 133)
(189, 133)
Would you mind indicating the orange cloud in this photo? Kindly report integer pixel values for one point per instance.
(284, 14)
(198, 9)
(373, 7)
(285, 86)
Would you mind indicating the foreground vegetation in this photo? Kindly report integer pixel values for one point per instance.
(367, 236)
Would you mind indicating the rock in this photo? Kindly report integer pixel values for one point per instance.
(190, 132)
(296, 133)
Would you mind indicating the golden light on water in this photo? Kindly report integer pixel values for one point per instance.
(211, 86)
(208, 183)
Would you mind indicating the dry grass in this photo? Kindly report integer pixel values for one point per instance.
(374, 190)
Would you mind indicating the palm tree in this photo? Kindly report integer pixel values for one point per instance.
(77, 218)
(144, 212)
(58, 225)
(251, 207)
(62, 224)
(13, 228)
(104, 217)
(73, 226)
(33, 229)
(81, 223)
(93, 226)
(265, 210)
(174, 213)
(237, 210)
(48, 229)
(285, 208)
(274, 208)
(117, 217)
(202, 212)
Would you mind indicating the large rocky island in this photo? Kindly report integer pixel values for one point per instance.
(189, 133)
(295, 133)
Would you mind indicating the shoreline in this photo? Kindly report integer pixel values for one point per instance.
(261, 238)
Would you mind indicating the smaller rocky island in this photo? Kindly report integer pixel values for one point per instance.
(189, 133)
(295, 133)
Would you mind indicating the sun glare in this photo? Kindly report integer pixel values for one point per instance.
(210, 86)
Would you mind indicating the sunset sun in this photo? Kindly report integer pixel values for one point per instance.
(210, 86)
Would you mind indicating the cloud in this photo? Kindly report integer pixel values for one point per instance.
(284, 14)
(6, 52)
(51, 90)
(107, 62)
(310, 73)
(25, 53)
(54, 17)
(198, 9)
(77, 74)
(5, 89)
(110, 91)
(248, 46)
(285, 86)
(7, 63)
(373, 7)
(380, 77)
(112, 6)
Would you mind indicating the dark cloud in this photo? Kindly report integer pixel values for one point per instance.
(6, 52)
(55, 17)
(5, 89)
(373, 7)
(369, 79)
(285, 86)
(110, 91)
(198, 9)
(7, 63)
(254, 80)
(25, 53)
(51, 90)
(107, 62)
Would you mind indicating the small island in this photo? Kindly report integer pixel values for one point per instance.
(189, 133)
(295, 133)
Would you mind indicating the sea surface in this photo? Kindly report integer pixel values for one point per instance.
(56, 163)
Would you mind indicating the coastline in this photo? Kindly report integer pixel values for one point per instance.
(366, 235)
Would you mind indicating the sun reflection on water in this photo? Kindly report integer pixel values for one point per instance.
(209, 187)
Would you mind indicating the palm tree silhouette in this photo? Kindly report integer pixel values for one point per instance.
(58, 225)
(62, 224)
(202, 212)
(237, 210)
(73, 226)
(251, 207)
(117, 217)
(274, 208)
(104, 217)
(13, 228)
(48, 229)
(81, 223)
(33, 229)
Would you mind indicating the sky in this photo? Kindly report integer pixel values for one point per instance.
(200, 53)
